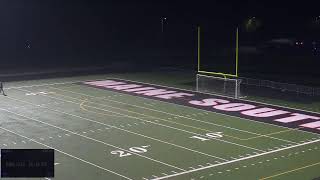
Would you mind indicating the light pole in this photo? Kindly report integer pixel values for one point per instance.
(162, 23)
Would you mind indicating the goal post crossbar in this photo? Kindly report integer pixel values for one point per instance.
(218, 73)
(236, 71)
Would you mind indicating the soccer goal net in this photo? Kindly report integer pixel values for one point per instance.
(218, 85)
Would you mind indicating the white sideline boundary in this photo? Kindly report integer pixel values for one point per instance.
(236, 160)
(52, 84)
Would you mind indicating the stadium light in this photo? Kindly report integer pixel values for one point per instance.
(162, 23)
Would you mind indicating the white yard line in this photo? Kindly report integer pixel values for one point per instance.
(87, 119)
(236, 160)
(62, 152)
(72, 82)
(133, 117)
(218, 112)
(180, 116)
(95, 140)
(52, 84)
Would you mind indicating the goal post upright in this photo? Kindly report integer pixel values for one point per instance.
(199, 33)
(216, 82)
(237, 52)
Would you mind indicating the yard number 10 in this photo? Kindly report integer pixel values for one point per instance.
(208, 136)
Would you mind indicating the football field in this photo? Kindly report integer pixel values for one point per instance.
(103, 134)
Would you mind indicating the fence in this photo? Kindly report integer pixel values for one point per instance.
(299, 89)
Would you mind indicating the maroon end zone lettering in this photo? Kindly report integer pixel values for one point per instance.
(296, 117)
(123, 87)
(234, 107)
(312, 125)
(264, 112)
(282, 116)
(104, 83)
(208, 102)
(174, 95)
(139, 89)
(154, 92)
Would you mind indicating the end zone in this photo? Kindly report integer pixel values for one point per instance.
(281, 116)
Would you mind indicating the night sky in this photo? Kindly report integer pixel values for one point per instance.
(100, 29)
(39, 19)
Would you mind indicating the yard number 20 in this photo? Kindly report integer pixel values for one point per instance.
(131, 150)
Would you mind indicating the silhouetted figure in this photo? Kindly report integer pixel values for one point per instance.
(1, 89)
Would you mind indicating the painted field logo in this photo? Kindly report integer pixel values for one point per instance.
(282, 116)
